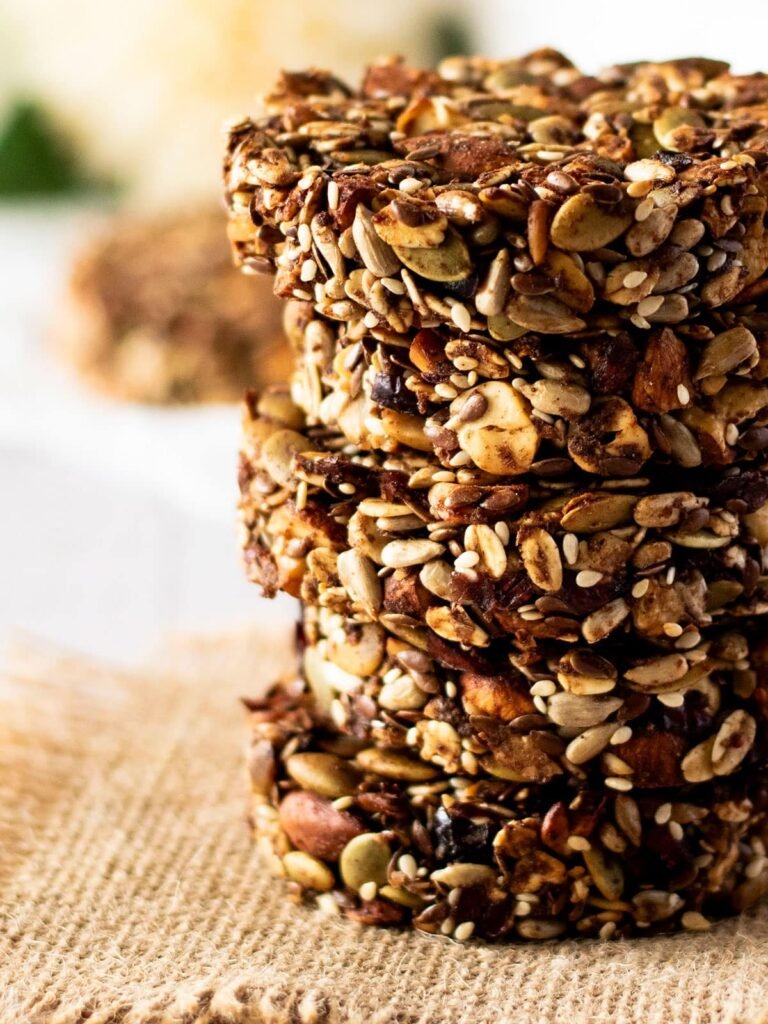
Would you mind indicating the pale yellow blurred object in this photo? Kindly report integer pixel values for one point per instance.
(144, 87)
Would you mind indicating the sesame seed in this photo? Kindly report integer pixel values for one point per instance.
(731, 433)
(393, 285)
(543, 688)
(672, 629)
(450, 689)
(522, 909)
(532, 616)
(460, 459)
(333, 195)
(716, 260)
(410, 185)
(446, 390)
(670, 575)
(606, 932)
(726, 205)
(588, 578)
(640, 322)
(640, 588)
(644, 209)
(622, 735)
(650, 305)
(305, 237)
(502, 531)
(469, 762)
(676, 830)
(465, 363)
(683, 394)
(301, 495)
(303, 294)
(467, 560)
(618, 782)
(688, 640)
(634, 278)
(579, 843)
(368, 891)
(636, 189)
(571, 548)
(540, 704)
(663, 814)
(407, 864)
(672, 700)
(464, 931)
(447, 926)
(461, 317)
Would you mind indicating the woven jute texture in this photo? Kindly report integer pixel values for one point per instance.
(130, 894)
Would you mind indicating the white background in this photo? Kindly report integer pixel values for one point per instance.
(117, 522)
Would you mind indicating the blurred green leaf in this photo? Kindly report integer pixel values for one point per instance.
(35, 159)
(450, 36)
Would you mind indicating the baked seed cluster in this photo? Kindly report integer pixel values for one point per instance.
(155, 312)
(518, 484)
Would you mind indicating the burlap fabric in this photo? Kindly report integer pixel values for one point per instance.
(130, 894)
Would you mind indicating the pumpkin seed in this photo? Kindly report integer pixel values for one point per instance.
(455, 624)
(308, 871)
(377, 256)
(596, 511)
(543, 313)
(325, 774)
(727, 351)
(666, 125)
(410, 223)
(630, 282)
(570, 710)
(628, 818)
(581, 224)
(601, 623)
(493, 292)
(698, 539)
(606, 873)
(590, 743)
(659, 675)
(359, 577)
(697, 763)
(541, 558)
(447, 262)
(365, 859)
(733, 742)
(392, 764)
(403, 897)
(401, 553)
(457, 876)
(277, 454)
(504, 439)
